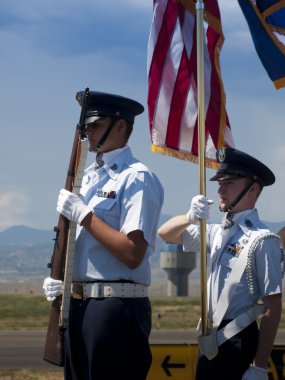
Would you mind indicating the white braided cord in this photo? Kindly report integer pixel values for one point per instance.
(250, 260)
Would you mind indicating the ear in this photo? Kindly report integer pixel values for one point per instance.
(121, 126)
(254, 187)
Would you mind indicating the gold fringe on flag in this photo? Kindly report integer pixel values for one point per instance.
(186, 156)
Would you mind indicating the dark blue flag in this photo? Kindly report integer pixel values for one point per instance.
(266, 21)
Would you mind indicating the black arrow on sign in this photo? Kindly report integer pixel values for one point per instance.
(166, 365)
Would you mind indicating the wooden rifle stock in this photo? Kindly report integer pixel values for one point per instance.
(54, 347)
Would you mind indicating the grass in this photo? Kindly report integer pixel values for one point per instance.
(31, 312)
(175, 313)
(23, 312)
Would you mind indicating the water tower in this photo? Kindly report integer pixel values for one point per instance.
(178, 265)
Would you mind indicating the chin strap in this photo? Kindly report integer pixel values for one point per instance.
(242, 194)
(105, 135)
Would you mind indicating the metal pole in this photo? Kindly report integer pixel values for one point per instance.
(201, 159)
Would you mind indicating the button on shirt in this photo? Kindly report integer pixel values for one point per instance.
(224, 248)
(127, 196)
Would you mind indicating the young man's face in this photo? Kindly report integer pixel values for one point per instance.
(229, 190)
(95, 131)
(115, 139)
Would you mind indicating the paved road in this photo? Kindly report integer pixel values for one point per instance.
(24, 349)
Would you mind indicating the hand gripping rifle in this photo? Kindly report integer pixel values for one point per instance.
(63, 253)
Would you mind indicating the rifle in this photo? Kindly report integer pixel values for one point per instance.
(63, 252)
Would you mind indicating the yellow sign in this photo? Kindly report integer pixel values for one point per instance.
(173, 361)
(178, 362)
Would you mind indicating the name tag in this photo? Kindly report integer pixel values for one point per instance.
(106, 194)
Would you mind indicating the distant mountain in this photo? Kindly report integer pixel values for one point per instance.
(25, 253)
(25, 235)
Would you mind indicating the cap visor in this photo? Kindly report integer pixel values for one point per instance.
(223, 176)
(91, 119)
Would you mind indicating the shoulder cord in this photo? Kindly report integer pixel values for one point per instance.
(250, 260)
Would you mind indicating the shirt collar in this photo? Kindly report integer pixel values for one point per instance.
(109, 157)
(240, 215)
(246, 220)
(115, 160)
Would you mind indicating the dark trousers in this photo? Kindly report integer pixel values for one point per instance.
(107, 339)
(233, 359)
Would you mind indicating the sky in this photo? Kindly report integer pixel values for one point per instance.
(51, 49)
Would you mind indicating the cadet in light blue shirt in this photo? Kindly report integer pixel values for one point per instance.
(246, 266)
(117, 214)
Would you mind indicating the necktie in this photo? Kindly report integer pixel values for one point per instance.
(228, 221)
(99, 161)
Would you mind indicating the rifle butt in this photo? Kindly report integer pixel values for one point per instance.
(54, 344)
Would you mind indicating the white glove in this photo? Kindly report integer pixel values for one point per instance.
(52, 288)
(72, 206)
(199, 209)
(255, 373)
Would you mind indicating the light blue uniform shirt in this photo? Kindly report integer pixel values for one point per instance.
(267, 268)
(127, 196)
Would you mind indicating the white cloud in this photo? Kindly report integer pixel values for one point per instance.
(13, 208)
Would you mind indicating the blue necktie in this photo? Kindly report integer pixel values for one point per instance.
(228, 221)
(99, 161)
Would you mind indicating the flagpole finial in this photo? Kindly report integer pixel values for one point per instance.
(199, 4)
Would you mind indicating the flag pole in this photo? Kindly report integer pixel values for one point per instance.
(201, 159)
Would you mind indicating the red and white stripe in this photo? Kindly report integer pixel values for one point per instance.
(172, 79)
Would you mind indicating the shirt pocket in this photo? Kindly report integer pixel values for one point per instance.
(107, 209)
(227, 261)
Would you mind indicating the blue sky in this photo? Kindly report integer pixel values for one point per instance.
(51, 49)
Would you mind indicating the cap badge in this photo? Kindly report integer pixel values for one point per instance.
(222, 155)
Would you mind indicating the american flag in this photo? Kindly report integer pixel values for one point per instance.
(172, 81)
(266, 21)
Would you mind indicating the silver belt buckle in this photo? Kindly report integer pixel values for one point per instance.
(93, 290)
(100, 289)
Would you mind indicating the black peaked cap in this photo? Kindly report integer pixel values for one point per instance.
(235, 164)
(101, 104)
